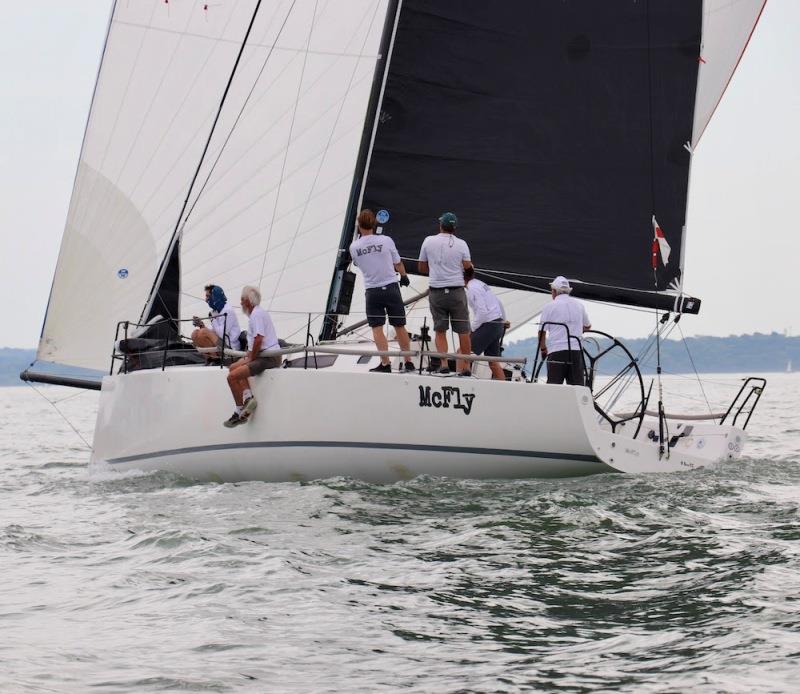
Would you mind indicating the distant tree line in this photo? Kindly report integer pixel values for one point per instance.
(734, 354)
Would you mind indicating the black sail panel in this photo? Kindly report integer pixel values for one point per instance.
(555, 130)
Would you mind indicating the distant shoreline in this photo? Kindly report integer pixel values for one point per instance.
(739, 354)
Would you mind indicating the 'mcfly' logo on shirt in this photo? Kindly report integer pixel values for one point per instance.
(447, 396)
(366, 250)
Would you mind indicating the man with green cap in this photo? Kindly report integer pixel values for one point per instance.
(444, 257)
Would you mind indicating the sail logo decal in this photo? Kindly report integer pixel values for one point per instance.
(382, 216)
(122, 273)
(447, 396)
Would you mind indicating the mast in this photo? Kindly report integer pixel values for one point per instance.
(341, 289)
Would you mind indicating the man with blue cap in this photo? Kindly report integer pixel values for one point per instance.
(224, 323)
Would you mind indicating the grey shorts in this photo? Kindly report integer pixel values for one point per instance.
(263, 363)
(449, 306)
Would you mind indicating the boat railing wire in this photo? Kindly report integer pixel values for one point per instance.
(131, 344)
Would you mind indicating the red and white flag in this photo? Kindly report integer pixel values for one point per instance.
(660, 245)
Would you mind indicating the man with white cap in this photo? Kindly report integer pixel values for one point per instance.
(561, 345)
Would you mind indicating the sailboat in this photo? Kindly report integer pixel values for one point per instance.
(234, 143)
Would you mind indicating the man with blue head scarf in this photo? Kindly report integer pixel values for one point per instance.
(224, 323)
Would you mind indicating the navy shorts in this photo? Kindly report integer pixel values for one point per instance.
(385, 301)
(487, 338)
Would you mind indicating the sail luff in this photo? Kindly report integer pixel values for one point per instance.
(328, 329)
(80, 157)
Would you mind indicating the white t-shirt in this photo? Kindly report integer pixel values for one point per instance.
(375, 255)
(261, 324)
(485, 306)
(445, 255)
(230, 326)
(563, 309)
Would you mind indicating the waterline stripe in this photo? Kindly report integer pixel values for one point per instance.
(357, 444)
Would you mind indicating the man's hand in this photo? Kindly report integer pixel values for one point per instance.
(507, 324)
(543, 350)
(196, 322)
(404, 281)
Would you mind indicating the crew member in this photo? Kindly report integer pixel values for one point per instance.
(444, 257)
(488, 321)
(224, 323)
(377, 258)
(562, 349)
(261, 336)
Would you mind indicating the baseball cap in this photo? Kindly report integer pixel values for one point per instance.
(561, 283)
(448, 219)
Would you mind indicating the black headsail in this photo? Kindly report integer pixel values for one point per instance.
(554, 129)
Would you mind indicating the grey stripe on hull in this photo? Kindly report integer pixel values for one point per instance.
(358, 444)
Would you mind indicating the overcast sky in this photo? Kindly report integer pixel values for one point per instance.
(742, 248)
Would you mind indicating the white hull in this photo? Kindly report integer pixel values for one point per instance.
(313, 424)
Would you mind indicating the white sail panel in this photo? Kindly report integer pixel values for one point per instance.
(272, 212)
(727, 27)
(162, 74)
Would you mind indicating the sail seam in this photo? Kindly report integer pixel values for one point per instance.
(321, 163)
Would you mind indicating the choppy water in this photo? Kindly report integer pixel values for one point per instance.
(145, 583)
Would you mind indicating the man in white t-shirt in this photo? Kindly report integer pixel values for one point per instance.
(377, 258)
(562, 349)
(488, 321)
(444, 257)
(224, 323)
(261, 336)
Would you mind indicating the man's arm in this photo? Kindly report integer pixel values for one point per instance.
(467, 264)
(401, 269)
(542, 342)
(257, 340)
(423, 267)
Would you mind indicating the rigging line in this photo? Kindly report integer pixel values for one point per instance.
(497, 274)
(176, 232)
(691, 359)
(289, 141)
(342, 103)
(257, 199)
(320, 77)
(61, 414)
(650, 112)
(238, 116)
